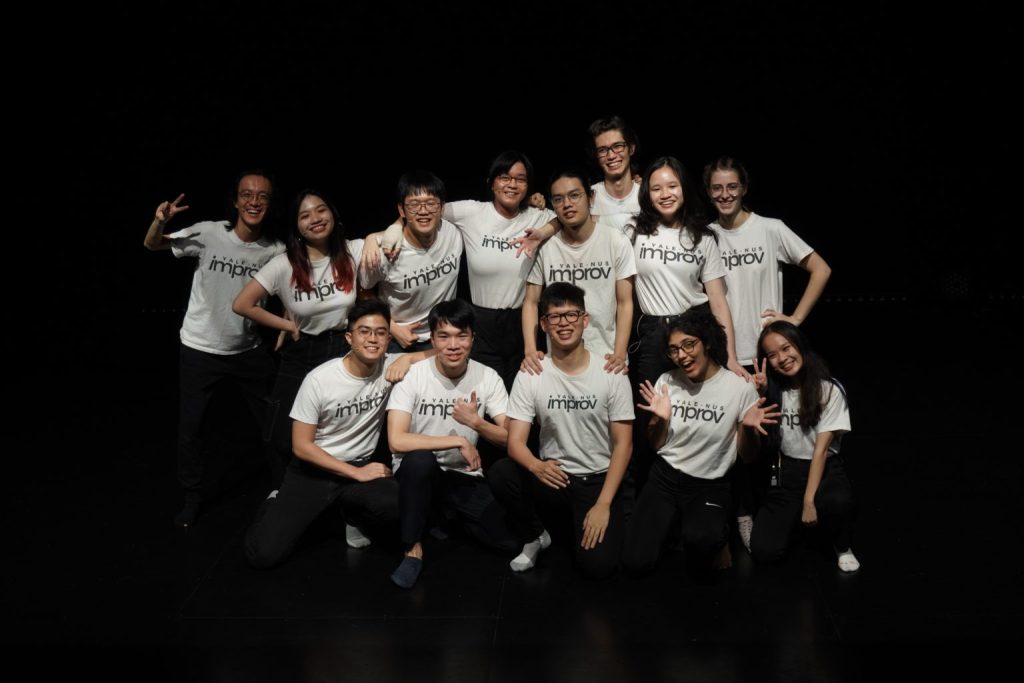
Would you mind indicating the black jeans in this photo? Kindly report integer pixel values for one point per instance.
(498, 341)
(783, 506)
(305, 493)
(527, 500)
(468, 498)
(297, 359)
(647, 361)
(701, 506)
(200, 374)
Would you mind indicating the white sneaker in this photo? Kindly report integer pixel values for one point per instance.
(848, 561)
(355, 537)
(528, 558)
(745, 525)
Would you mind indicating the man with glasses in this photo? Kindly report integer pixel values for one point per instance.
(426, 271)
(337, 420)
(586, 437)
(216, 343)
(595, 257)
(616, 198)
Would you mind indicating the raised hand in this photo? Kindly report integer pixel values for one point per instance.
(528, 243)
(759, 415)
(760, 376)
(465, 412)
(656, 403)
(168, 210)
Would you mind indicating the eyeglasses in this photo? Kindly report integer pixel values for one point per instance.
(572, 198)
(617, 147)
(688, 346)
(367, 332)
(430, 205)
(506, 179)
(731, 188)
(569, 316)
(249, 195)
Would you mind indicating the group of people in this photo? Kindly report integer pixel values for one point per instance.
(626, 353)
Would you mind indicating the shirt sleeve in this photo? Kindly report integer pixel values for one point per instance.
(625, 260)
(713, 268)
(521, 402)
(536, 276)
(403, 395)
(270, 275)
(836, 415)
(497, 398)
(306, 408)
(790, 248)
(620, 398)
(190, 241)
(458, 212)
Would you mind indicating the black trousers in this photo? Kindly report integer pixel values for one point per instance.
(700, 506)
(779, 515)
(498, 341)
(465, 497)
(297, 359)
(304, 494)
(200, 375)
(528, 502)
(647, 361)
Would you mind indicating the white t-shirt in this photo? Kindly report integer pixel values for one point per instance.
(429, 397)
(225, 265)
(835, 418)
(594, 266)
(497, 279)
(348, 411)
(323, 308)
(701, 438)
(615, 212)
(575, 412)
(751, 254)
(670, 275)
(419, 279)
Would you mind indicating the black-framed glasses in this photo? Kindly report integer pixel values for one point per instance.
(731, 188)
(429, 205)
(617, 147)
(570, 317)
(688, 346)
(573, 197)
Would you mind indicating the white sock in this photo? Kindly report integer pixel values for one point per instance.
(528, 558)
(355, 538)
(745, 526)
(848, 561)
(272, 495)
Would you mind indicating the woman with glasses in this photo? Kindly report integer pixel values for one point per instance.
(702, 416)
(678, 268)
(316, 281)
(809, 483)
(752, 248)
(496, 275)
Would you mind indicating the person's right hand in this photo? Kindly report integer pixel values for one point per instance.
(404, 333)
(168, 210)
(371, 471)
(470, 454)
(531, 363)
(550, 473)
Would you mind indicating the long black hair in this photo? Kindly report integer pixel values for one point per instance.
(813, 381)
(694, 219)
(342, 266)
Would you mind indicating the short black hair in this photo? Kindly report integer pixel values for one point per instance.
(559, 294)
(456, 312)
(420, 182)
(365, 307)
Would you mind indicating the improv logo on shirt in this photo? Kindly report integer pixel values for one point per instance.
(689, 411)
(572, 403)
(736, 258)
(790, 419)
(579, 272)
(424, 276)
(439, 407)
(502, 244)
(670, 254)
(233, 268)
(361, 404)
(319, 292)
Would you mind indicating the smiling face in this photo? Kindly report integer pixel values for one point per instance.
(453, 346)
(690, 355)
(727, 192)
(666, 193)
(563, 334)
(369, 338)
(509, 188)
(613, 154)
(253, 200)
(422, 214)
(782, 354)
(571, 201)
(315, 219)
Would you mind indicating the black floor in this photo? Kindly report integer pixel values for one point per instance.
(97, 582)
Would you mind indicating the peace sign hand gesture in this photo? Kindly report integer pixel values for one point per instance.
(168, 210)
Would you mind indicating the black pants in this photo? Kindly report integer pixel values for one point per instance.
(701, 506)
(305, 493)
(200, 374)
(297, 359)
(647, 361)
(527, 500)
(780, 513)
(498, 341)
(468, 498)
